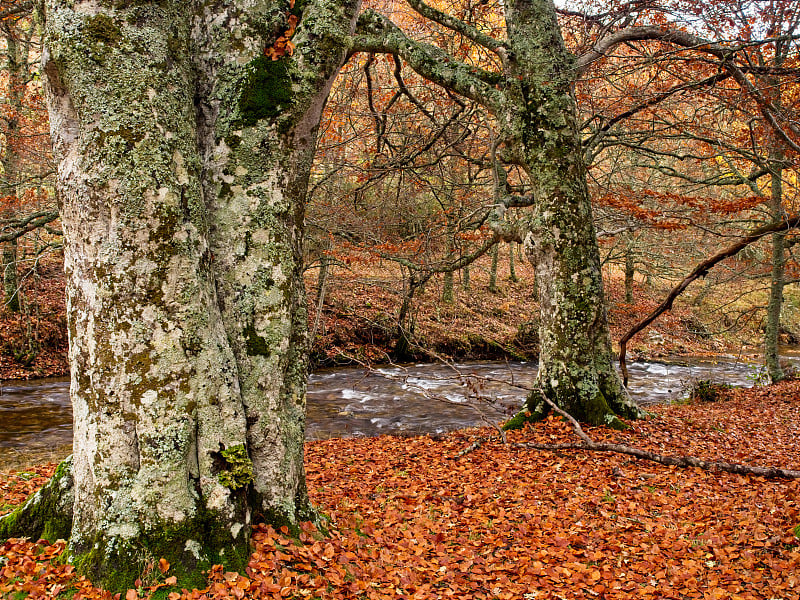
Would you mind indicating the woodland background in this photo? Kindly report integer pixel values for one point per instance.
(400, 262)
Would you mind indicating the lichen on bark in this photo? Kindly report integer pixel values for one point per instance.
(182, 184)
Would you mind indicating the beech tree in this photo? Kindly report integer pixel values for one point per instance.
(529, 91)
(184, 133)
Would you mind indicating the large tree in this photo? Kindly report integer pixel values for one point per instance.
(185, 133)
(529, 92)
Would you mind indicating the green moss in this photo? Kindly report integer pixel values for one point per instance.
(101, 28)
(239, 468)
(256, 345)
(267, 90)
(191, 548)
(123, 136)
(517, 421)
(47, 514)
(534, 410)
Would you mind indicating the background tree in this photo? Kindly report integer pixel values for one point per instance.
(25, 161)
(699, 97)
(529, 94)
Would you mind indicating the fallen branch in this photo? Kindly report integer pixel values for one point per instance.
(700, 271)
(677, 461)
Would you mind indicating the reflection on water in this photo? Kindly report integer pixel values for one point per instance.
(36, 418)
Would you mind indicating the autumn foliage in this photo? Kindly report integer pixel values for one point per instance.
(410, 518)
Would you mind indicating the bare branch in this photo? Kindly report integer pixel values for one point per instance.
(700, 271)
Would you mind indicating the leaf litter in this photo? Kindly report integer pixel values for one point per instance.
(409, 518)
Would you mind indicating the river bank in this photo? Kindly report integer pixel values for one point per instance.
(418, 518)
(355, 321)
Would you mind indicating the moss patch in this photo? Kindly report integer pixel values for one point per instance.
(48, 513)
(256, 345)
(239, 468)
(101, 28)
(266, 92)
(191, 548)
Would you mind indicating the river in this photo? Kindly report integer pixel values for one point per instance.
(36, 417)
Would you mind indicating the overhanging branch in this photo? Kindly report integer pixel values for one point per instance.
(700, 271)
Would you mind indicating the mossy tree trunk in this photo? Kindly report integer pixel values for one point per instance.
(184, 155)
(575, 359)
(448, 293)
(775, 303)
(630, 269)
(11, 291)
(493, 270)
(531, 99)
(512, 270)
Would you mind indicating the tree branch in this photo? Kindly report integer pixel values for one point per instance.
(459, 26)
(28, 224)
(376, 33)
(677, 461)
(700, 271)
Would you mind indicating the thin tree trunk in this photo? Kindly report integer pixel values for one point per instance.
(322, 284)
(630, 271)
(512, 271)
(775, 303)
(493, 271)
(448, 294)
(10, 280)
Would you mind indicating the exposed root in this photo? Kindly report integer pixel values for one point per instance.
(47, 514)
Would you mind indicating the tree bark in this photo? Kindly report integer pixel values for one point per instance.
(575, 357)
(11, 289)
(775, 303)
(184, 152)
(630, 270)
(493, 270)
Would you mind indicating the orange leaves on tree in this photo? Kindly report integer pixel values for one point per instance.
(283, 46)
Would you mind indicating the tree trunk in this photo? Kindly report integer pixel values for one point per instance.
(448, 294)
(512, 271)
(630, 271)
(184, 155)
(493, 271)
(10, 280)
(775, 303)
(576, 370)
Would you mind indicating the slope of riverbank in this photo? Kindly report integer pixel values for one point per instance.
(421, 518)
(360, 303)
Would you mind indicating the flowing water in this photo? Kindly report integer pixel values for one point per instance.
(36, 417)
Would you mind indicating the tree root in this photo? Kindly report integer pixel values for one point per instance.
(47, 514)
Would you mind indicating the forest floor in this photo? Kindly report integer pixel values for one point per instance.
(362, 299)
(420, 518)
